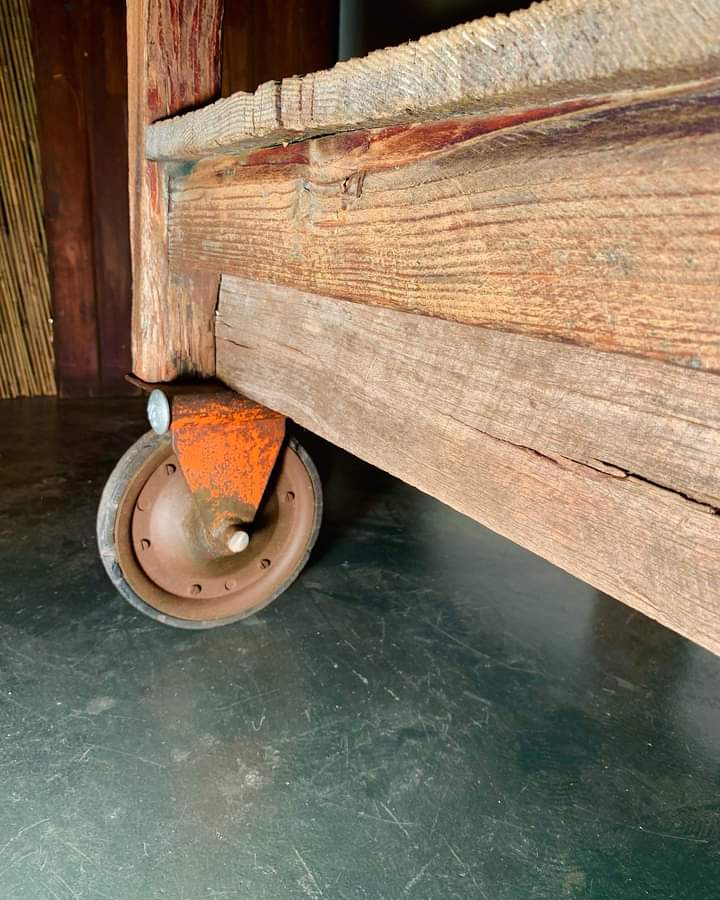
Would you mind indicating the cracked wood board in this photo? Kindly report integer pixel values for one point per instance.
(554, 447)
(554, 50)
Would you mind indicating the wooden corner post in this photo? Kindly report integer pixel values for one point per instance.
(174, 64)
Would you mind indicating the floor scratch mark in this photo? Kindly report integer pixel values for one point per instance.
(414, 880)
(307, 869)
(395, 819)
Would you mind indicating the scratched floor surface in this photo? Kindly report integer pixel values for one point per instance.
(430, 712)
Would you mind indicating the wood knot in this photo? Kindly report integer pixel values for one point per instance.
(352, 186)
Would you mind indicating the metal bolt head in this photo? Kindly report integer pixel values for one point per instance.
(237, 540)
(158, 411)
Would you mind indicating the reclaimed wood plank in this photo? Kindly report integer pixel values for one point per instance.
(554, 447)
(175, 61)
(555, 50)
(595, 226)
(173, 64)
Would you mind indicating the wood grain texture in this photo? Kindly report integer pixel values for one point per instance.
(554, 50)
(550, 446)
(173, 64)
(595, 225)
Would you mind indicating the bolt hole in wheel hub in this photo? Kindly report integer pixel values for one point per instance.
(168, 568)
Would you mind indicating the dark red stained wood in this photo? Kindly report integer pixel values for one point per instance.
(183, 58)
(81, 75)
(68, 217)
(106, 97)
(266, 40)
(383, 148)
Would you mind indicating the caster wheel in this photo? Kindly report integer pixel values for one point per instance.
(153, 545)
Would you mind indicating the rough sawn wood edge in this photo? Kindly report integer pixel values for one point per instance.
(554, 50)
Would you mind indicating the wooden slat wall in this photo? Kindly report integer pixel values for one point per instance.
(80, 56)
(26, 353)
(106, 99)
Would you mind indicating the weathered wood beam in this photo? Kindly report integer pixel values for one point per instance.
(554, 50)
(594, 225)
(173, 65)
(553, 446)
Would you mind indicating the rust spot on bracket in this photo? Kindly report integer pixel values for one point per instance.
(227, 446)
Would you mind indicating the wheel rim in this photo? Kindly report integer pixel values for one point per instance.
(164, 558)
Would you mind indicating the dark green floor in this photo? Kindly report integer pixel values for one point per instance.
(430, 712)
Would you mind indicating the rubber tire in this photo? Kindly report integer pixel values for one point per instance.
(112, 494)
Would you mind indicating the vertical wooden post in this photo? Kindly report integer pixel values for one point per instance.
(174, 64)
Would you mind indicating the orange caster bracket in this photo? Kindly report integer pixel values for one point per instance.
(227, 447)
(213, 514)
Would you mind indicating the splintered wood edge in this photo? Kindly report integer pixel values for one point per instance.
(524, 467)
(551, 51)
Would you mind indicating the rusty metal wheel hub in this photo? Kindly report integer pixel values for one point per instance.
(166, 558)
